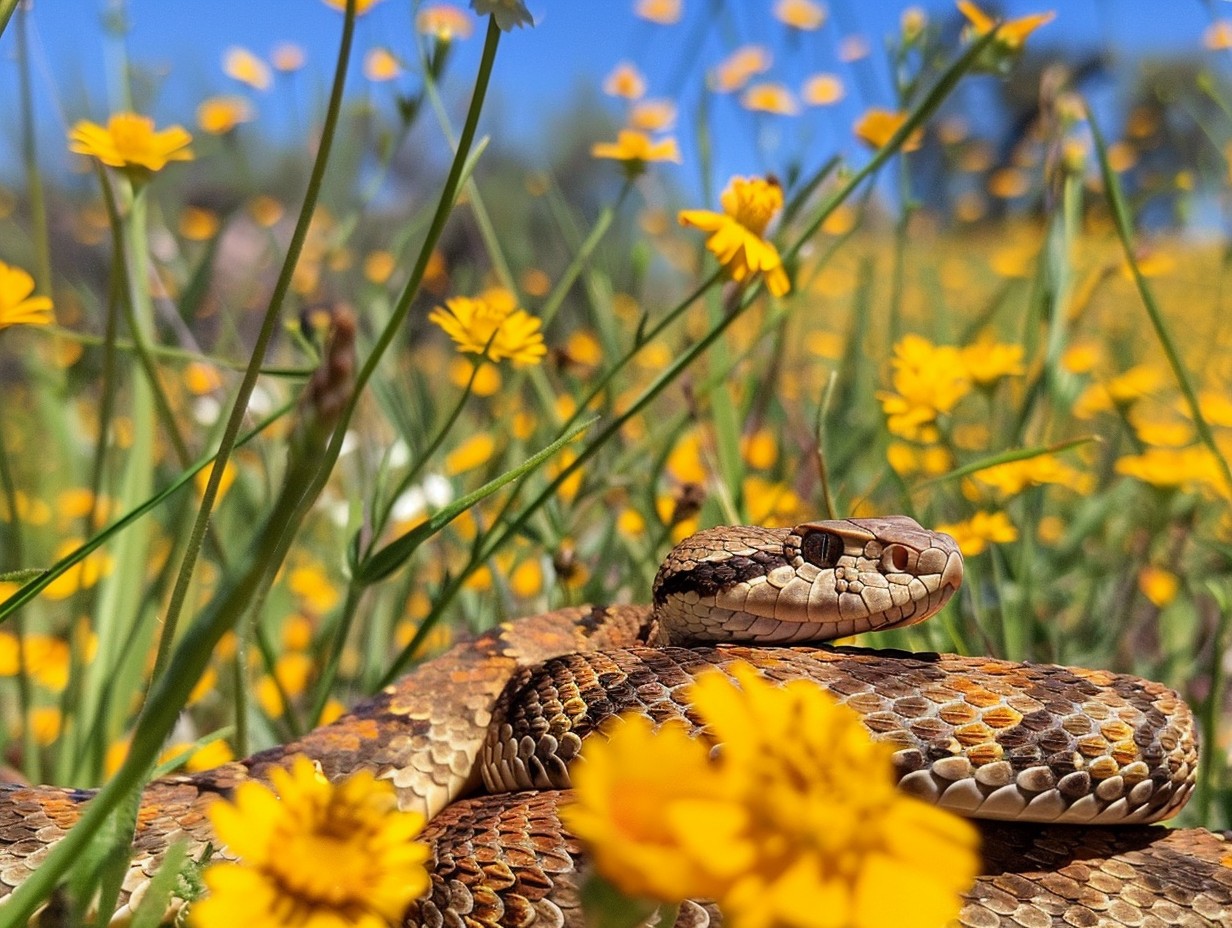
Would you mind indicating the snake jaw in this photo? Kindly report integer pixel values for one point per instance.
(817, 581)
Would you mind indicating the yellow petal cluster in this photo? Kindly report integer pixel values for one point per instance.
(1012, 33)
(877, 126)
(1013, 477)
(313, 854)
(130, 141)
(793, 821)
(444, 22)
(17, 306)
(492, 325)
(974, 535)
(637, 149)
(736, 234)
(928, 382)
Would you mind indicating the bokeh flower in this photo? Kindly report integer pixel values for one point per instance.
(975, 534)
(626, 81)
(1013, 477)
(988, 362)
(769, 97)
(636, 150)
(663, 12)
(795, 821)
(242, 65)
(444, 22)
(313, 854)
(876, 127)
(822, 90)
(737, 233)
(805, 15)
(361, 6)
(1011, 34)
(17, 306)
(219, 115)
(129, 141)
(738, 68)
(652, 115)
(287, 57)
(492, 325)
(381, 65)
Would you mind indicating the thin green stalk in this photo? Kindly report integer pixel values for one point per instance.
(6, 13)
(269, 325)
(1120, 215)
(25, 699)
(325, 684)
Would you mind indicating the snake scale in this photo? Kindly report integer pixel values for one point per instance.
(1065, 767)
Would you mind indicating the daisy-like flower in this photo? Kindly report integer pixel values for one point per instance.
(313, 854)
(636, 150)
(219, 115)
(822, 89)
(444, 22)
(287, 57)
(492, 325)
(663, 12)
(652, 115)
(769, 97)
(738, 68)
(737, 233)
(17, 306)
(129, 141)
(803, 829)
(626, 81)
(928, 382)
(508, 13)
(974, 535)
(1012, 33)
(381, 65)
(805, 15)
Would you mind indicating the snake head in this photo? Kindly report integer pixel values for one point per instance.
(814, 582)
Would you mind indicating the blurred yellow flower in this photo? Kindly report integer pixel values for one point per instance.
(1013, 477)
(736, 234)
(663, 12)
(493, 326)
(822, 90)
(471, 453)
(47, 659)
(652, 115)
(852, 48)
(1192, 468)
(361, 6)
(877, 125)
(379, 266)
(806, 15)
(636, 150)
(129, 141)
(626, 81)
(1012, 33)
(734, 71)
(45, 724)
(287, 57)
(315, 591)
(242, 65)
(769, 97)
(804, 829)
(198, 224)
(313, 853)
(444, 22)
(987, 361)
(218, 115)
(381, 65)
(83, 575)
(1158, 585)
(17, 306)
(928, 382)
(1123, 390)
(1218, 35)
(984, 528)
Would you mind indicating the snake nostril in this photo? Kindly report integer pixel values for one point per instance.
(896, 557)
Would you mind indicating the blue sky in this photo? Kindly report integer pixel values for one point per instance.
(538, 71)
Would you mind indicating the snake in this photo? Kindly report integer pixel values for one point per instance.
(1066, 770)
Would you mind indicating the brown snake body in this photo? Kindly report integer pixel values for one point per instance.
(1076, 760)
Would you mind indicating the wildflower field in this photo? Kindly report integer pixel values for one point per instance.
(284, 413)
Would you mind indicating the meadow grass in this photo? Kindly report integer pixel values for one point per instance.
(209, 549)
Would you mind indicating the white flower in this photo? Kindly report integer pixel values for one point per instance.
(508, 13)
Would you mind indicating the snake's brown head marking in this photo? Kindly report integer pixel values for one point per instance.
(813, 582)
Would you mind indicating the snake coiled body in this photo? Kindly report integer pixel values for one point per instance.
(1070, 763)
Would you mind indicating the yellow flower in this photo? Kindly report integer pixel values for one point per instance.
(663, 12)
(444, 22)
(928, 382)
(198, 224)
(17, 306)
(737, 68)
(1218, 35)
(736, 234)
(314, 589)
(1193, 468)
(313, 854)
(626, 81)
(130, 142)
(803, 829)
(1158, 585)
(1012, 33)
(987, 362)
(652, 115)
(877, 125)
(800, 14)
(982, 529)
(245, 67)
(381, 65)
(491, 325)
(822, 90)
(219, 115)
(471, 453)
(361, 6)
(46, 659)
(769, 97)
(1014, 476)
(636, 150)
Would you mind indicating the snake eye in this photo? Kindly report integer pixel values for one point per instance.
(822, 549)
